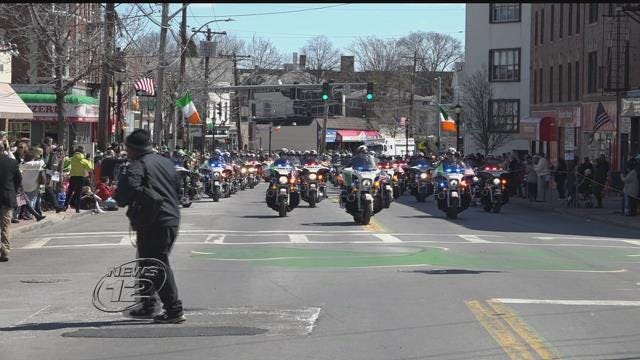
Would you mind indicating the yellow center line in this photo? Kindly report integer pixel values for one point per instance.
(374, 227)
(525, 332)
(501, 333)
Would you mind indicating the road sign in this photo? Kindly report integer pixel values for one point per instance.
(195, 131)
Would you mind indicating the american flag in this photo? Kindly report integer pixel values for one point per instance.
(147, 85)
(401, 121)
(601, 118)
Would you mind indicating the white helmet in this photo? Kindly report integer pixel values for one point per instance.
(362, 149)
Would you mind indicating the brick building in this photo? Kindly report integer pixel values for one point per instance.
(580, 57)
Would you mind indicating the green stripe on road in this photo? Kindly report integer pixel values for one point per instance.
(516, 258)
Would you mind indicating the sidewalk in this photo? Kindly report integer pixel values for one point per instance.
(51, 219)
(610, 213)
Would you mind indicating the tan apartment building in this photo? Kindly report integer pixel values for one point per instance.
(582, 55)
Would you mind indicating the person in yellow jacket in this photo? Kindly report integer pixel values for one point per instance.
(80, 166)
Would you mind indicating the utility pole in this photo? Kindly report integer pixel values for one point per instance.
(103, 120)
(236, 99)
(209, 37)
(325, 119)
(157, 120)
(183, 64)
(413, 89)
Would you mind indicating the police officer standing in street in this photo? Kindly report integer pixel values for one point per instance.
(151, 173)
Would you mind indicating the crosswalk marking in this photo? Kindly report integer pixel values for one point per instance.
(388, 238)
(215, 239)
(298, 238)
(36, 244)
(473, 238)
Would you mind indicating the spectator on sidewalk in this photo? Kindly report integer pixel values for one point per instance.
(571, 183)
(631, 188)
(78, 179)
(515, 170)
(5, 142)
(10, 180)
(33, 176)
(532, 180)
(541, 167)
(601, 173)
(560, 178)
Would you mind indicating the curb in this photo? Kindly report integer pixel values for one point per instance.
(564, 211)
(49, 222)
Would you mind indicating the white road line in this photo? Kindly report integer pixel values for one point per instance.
(214, 239)
(587, 238)
(473, 238)
(569, 302)
(632, 242)
(23, 321)
(388, 238)
(298, 238)
(36, 244)
(128, 240)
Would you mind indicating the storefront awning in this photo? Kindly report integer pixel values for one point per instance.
(11, 105)
(356, 135)
(78, 108)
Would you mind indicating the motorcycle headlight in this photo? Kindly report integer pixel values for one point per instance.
(453, 182)
(243, 170)
(313, 176)
(283, 180)
(423, 176)
(252, 170)
(367, 183)
(496, 181)
(475, 179)
(216, 175)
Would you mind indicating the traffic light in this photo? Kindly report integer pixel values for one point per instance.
(325, 91)
(370, 95)
(219, 110)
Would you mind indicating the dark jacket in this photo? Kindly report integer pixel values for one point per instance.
(10, 180)
(163, 179)
(601, 171)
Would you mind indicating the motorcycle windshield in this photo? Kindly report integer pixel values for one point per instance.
(422, 164)
(364, 164)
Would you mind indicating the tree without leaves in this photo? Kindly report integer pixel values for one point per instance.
(264, 54)
(321, 56)
(476, 94)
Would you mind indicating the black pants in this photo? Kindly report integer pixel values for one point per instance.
(75, 191)
(560, 183)
(156, 243)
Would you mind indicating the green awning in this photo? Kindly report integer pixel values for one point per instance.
(51, 98)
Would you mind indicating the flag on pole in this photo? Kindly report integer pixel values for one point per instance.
(189, 109)
(601, 118)
(402, 120)
(446, 122)
(146, 84)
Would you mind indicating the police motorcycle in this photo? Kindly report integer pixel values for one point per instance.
(452, 185)
(492, 186)
(215, 180)
(421, 174)
(253, 171)
(313, 176)
(360, 195)
(282, 195)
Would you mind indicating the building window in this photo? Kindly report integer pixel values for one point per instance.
(19, 129)
(504, 13)
(568, 81)
(504, 115)
(504, 65)
(592, 71)
(540, 85)
(354, 104)
(593, 13)
(541, 26)
(266, 108)
(577, 80)
(559, 83)
(535, 28)
(551, 84)
(553, 22)
(578, 18)
(561, 21)
(570, 20)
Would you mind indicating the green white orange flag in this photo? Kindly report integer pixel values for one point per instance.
(446, 122)
(189, 109)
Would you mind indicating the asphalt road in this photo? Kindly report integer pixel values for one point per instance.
(522, 284)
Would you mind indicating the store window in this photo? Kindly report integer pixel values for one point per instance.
(19, 130)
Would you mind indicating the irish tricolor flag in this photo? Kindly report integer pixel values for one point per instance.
(446, 122)
(189, 109)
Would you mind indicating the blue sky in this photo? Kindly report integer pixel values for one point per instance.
(341, 24)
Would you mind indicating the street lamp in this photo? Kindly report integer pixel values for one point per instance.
(119, 77)
(457, 109)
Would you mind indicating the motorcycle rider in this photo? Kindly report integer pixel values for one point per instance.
(451, 160)
(363, 156)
